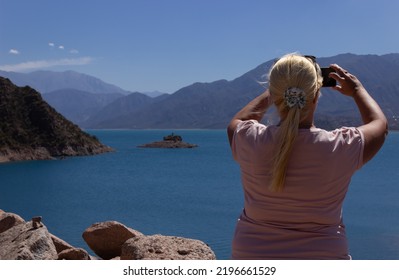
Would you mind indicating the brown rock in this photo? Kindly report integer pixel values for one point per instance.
(23, 242)
(74, 254)
(60, 245)
(67, 252)
(37, 222)
(106, 238)
(8, 220)
(159, 247)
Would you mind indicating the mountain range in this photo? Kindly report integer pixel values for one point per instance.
(209, 105)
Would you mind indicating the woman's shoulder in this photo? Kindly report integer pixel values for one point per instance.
(253, 124)
(343, 134)
(247, 124)
(252, 131)
(254, 128)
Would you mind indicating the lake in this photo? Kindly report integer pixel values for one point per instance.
(194, 193)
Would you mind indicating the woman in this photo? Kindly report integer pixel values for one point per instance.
(295, 176)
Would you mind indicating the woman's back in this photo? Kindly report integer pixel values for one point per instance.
(317, 180)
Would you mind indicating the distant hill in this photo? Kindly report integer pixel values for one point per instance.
(78, 106)
(212, 105)
(121, 107)
(48, 81)
(154, 93)
(31, 129)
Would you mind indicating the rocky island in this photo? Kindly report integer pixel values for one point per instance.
(31, 129)
(169, 141)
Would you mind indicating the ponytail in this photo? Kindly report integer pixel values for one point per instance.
(286, 136)
(294, 82)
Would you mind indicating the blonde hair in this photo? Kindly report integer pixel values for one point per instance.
(290, 71)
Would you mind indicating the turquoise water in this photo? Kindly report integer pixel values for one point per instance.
(195, 193)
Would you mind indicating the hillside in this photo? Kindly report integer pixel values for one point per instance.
(78, 106)
(31, 129)
(120, 108)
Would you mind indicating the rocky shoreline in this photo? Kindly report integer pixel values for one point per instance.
(41, 153)
(109, 240)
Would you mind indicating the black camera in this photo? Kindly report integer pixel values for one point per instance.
(327, 81)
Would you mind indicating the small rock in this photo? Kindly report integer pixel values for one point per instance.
(74, 254)
(37, 222)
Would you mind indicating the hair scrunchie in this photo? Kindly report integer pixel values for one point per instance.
(294, 97)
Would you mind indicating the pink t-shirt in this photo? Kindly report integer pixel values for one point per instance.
(305, 220)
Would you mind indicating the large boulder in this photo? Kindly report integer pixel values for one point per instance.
(27, 241)
(106, 238)
(159, 247)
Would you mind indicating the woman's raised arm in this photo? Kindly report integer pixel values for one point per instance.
(254, 110)
(375, 126)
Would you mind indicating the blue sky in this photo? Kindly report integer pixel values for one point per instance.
(147, 45)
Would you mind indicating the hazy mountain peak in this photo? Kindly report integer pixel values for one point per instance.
(48, 81)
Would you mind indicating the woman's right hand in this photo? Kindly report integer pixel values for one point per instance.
(347, 83)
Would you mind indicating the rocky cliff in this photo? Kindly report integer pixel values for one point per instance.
(31, 129)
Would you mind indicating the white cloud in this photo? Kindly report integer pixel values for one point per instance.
(74, 51)
(61, 47)
(40, 64)
(13, 51)
(51, 44)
